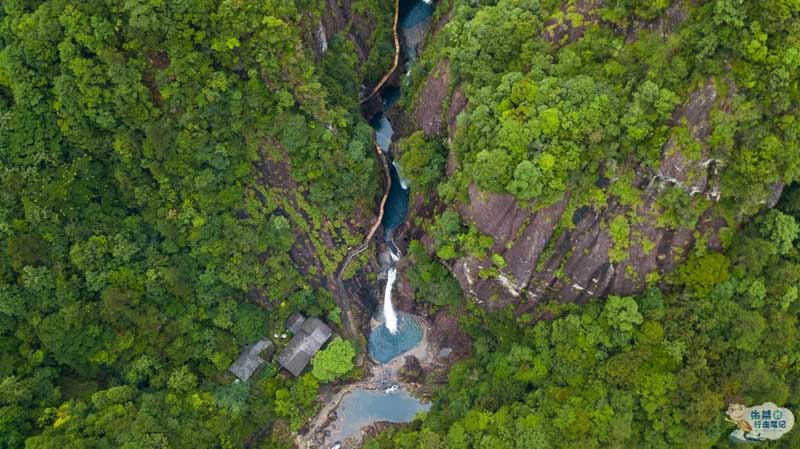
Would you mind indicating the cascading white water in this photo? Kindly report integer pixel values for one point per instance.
(386, 342)
(383, 133)
(389, 315)
(399, 176)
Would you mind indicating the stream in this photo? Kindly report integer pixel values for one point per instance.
(395, 333)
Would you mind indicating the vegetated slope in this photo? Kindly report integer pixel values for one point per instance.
(590, 147)
(640, 134)
(165, 166)
(656, 370)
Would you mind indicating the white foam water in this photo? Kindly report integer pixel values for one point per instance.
(389, 315)
(402, 181)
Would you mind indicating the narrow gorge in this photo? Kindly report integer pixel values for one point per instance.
(382, 396)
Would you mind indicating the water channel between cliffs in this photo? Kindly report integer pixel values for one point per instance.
(393, 334)
(397, 333)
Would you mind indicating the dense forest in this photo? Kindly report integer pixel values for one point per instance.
(142, 244)
(178, 177)
(650, 371)
(587, 99)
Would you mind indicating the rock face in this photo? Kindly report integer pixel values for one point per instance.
(576, 266)
(676, 167)
(354, 294)
(552, 255)
(561, 30)
(563, 251)
(457, 105)
(339, 15)
(433, 95)
(447, 333)
(665, 23)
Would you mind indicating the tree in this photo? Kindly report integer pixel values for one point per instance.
(702, 273)
(421, 161)
(622, 313)
(432, 281)
(491, 170)
(154, 183)
(526, 184)
(781, 229)
(333, 361)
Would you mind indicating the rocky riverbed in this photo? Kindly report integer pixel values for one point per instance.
(406, 371)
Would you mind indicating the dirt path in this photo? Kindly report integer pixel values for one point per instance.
(377, 373)
(359, 249)
(343, 299)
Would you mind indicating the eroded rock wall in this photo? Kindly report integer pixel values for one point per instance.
(552, 255)
(339, 16)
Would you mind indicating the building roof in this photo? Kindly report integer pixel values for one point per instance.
(305, 343)
(250, 360)
(295, 322)
(317, 330)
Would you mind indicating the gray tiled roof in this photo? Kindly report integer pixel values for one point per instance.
(295, 322)
(317, 330)
(250, 360)
(305, 343)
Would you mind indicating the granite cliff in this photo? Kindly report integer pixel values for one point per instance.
(565, 250)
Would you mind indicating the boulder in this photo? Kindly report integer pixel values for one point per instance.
(411, 372)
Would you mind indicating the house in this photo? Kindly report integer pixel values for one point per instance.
(309, 336)
(250, 360)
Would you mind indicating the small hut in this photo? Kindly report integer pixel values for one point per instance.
(250, 360)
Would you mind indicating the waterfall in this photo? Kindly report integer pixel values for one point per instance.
(400, 176)
(387, 340)
(383, 133)
(397, 200)
(389, 314)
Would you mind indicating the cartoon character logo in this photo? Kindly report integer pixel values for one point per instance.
(737, 414)
(759, 423)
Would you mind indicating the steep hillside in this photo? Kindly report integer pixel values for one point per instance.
(643, 154)
(178, 178)
(594, 146)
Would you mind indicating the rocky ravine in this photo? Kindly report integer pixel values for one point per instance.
(558, 251)
(358, 293)
(581, 252)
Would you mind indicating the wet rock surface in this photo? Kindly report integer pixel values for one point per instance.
(411, 370)
(446, 333)
(404, 372)
(677, 167)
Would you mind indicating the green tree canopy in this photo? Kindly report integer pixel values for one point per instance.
(334, 361)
